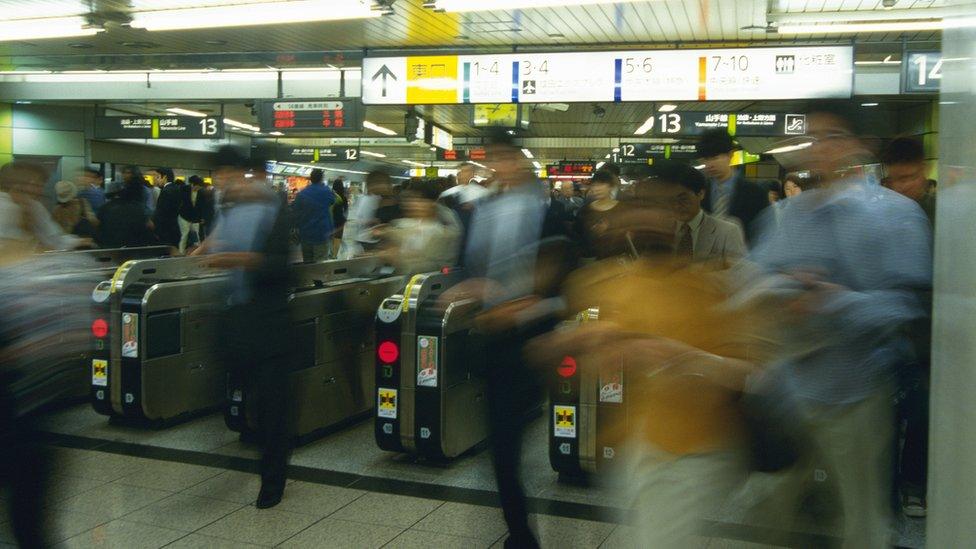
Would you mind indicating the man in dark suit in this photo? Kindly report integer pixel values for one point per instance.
(168, 206)
(728, 194)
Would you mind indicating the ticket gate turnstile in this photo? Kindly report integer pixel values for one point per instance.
(430, 372)
(587, 409)
(332, 311)
(66, 379)
(159, 359)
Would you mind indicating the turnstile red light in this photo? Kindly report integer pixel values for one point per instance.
(568, 367)
(99, 328)
(388, 351)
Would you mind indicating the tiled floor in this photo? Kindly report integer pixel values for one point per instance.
(110, 498)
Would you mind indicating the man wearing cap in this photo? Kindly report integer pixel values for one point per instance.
(728, 193)
(73, 213)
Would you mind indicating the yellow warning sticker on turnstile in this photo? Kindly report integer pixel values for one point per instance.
(100, 372)
(386, 403)
(564, 421)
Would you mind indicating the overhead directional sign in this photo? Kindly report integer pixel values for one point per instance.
(652, 75)
(310, 115)
(317, 154)
(159, 127)
(640, 153)
(743, 124)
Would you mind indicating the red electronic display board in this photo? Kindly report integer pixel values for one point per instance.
(310, 115)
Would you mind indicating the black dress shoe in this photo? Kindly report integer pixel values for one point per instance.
(269, 496)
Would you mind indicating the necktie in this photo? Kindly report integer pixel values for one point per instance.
(685, 249)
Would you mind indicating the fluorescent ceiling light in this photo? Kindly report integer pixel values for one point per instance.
(187, 112)
(645, 127)
(527, 153)
(473, 163)
(495, 5)
(412, 163)
(276, 134)
(38, 29)
(788, 148)
(265, 13)
(886, 61)
(537, 165)
(370, 126)
(315, 167)
(667, 107)
(700, 167)
(241, 125)
(371, 153)
(853, 28)
(869, 104)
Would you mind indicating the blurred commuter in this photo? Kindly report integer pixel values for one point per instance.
(90, 187)
(502, 261)
(842, 272)
(251, 242)
(340, 214)
(906, 173)
(467, 191)
(428, 236)
(700, 238)
(189, 216)
(597, 221)
(123, 221)
(23, 218)
(73, 213)
(567, 195)
(313, 217)
(663, 328)
(774, 190)
(44, 327)
(378, 206)
(791, 185)
(169, 203)
(728, 193)
(205, 205)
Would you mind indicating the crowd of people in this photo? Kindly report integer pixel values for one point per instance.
(771, 329)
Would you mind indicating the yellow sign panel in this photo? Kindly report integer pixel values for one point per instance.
(100, 372)
(386, 403)
(564, 421)
(432, 79)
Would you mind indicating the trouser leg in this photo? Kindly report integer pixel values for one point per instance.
(914, 411)
(509, 387)
(856, 442)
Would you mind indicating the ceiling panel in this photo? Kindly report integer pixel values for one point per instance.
(651, 23)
